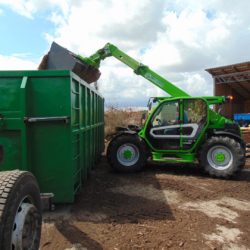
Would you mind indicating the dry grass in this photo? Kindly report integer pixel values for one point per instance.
(120, 118)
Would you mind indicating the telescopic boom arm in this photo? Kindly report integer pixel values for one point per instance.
(87, 68)
(139, 68)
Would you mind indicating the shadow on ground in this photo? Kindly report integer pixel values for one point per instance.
(137, 209)
(76, 236)
(193, 170)
(133, 198)
(115, 198)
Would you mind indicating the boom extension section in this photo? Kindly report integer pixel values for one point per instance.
(88, 68)
(139, 68)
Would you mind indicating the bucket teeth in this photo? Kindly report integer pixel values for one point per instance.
(61, 58)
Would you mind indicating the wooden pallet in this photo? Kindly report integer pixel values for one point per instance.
(248, 152)
(246, 134)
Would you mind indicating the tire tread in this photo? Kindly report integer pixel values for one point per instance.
(238, 154)
(11, 184)
(119, 140)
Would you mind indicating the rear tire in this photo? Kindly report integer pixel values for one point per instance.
(20, 211)
(127, 153)
(243, 162)
(221, 156)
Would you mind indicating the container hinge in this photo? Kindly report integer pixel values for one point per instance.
(64, 119)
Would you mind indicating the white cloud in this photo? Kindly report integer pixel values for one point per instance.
(16, 63)
(25, 8)
(91, 24)
(28, 8)
(175, 38)
(196, 84)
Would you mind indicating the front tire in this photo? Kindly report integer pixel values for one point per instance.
(127, 153)
(221, 156)
(20, 211)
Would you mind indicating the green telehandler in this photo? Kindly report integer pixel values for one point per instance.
(180, 128)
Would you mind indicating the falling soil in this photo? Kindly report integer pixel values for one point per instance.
(162, 207)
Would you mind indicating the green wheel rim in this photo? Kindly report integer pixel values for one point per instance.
(128, 154)
(220, 157)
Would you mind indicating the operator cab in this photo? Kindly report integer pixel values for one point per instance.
(153, 102)
(176, 124)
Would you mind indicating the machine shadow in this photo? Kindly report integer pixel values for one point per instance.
(176, 169)
(244, 175)
(121, 198)
(193, 170)
(76, 236)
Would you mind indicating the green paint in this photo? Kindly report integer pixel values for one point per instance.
(60, 154)
(213, 119)
(127, 154)
(220, 157)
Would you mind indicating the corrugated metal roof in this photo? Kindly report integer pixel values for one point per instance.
(229, 69)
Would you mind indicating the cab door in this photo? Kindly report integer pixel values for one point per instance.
(195, 118)
(176, 125)
(164, 128)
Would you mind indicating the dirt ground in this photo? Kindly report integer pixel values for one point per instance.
(163, 207)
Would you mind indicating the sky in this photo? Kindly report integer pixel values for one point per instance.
(178, 39)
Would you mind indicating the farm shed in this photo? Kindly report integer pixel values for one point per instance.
(234, 80)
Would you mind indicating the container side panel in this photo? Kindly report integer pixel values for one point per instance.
(11, 150)
(50, 140)
(50, 96)
(10, 124)
(10, 94)
(53, 126)
(87, 125)
(50, 156)
(76, 133)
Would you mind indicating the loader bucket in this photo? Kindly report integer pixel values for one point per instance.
(61, 58)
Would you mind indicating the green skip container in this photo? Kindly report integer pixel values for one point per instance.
(51, 124)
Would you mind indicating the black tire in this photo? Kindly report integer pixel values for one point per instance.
(221, 156)
(119, 145)
(20, 211)
(243, 162)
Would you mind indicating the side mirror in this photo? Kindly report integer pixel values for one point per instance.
(149, 106)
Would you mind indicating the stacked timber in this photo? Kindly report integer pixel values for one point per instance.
(246, 136)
